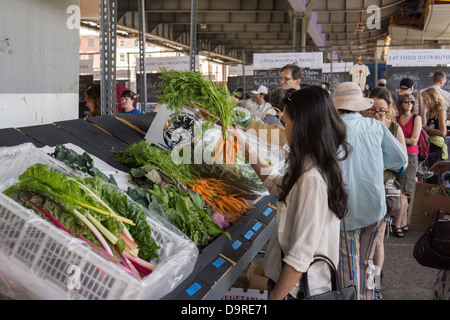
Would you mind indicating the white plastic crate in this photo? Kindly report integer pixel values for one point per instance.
(40, 261)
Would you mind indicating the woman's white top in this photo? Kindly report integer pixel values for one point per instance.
(304, 227)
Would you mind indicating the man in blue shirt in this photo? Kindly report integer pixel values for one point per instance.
(374, 148)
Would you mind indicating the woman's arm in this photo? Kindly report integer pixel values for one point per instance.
(442, 123)
(417, 127)
(442, 131)
(287, 280)
(401, 138)
(261, 167)
(440, 167)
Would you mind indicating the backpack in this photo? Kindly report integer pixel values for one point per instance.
(423, 143)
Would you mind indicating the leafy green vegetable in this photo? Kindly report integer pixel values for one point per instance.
(83, 163)
(189, 213)
(143, 153)
(189, 88)
(77, 193)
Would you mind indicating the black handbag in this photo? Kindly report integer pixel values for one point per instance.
(337, 292)
(433, 247)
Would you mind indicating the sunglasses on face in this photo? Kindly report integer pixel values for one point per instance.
(408, 101)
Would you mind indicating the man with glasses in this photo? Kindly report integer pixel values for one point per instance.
(290, 76)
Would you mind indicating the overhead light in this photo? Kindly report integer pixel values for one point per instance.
(203, 25)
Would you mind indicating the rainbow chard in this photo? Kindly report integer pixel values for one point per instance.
(88, 208)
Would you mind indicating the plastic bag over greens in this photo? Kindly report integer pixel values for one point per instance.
(240, 175)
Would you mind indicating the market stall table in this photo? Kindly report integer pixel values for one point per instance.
(140, 121)
(52, 134)
(117, 128)
(224, 260)
(12, 137)
(220, 263)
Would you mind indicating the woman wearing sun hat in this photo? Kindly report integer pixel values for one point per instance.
(373, 149)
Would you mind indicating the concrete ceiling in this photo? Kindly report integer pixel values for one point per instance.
(235, 29)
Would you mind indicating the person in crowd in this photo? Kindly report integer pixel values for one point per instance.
(434, 204)
(260, 96)
(312, 194)
(382, 111)
(411, 125)
(366, 91)
(406, 86)
(93, 101)
(439, 80)
(382, 83)
(127, 101)
(435, 127)
(374, 148)
(276, 99)
(291, 75)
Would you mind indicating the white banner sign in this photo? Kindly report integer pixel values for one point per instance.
(265, 61)
(181, 63)
(237, 70)
(418, 57)
(337, 67)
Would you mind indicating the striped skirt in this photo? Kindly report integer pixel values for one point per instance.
(362, 243)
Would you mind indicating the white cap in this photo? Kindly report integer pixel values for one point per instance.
(261, 89)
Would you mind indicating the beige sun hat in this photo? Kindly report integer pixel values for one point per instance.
(348, 96)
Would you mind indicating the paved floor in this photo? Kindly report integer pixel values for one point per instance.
(404, 278)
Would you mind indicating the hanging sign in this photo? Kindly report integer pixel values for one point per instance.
(237, 70)
(337, 67)
(417, 57)
(265, 61)
(86, 66)
(180, 63)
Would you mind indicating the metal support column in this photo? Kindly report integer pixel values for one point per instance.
(143, 85)
(244, 87)
(193, 39)
(108, 37)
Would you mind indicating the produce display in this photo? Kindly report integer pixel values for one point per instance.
(215, 194)
(165, 194)
(89, 209)
(143, 153)
(167, 183)
(192, 89)
(189, 205)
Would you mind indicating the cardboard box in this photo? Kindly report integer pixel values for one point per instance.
(416, 208)
(256, 277)
(251, 286)
(244, 294)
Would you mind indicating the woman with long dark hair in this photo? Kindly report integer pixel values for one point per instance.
(312, 194)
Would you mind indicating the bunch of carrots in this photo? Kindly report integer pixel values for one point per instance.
(226, 148)
(215, 195)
